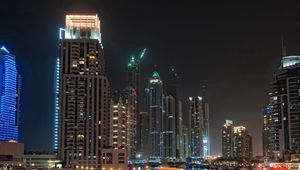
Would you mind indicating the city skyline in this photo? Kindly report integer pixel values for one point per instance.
(237, 74)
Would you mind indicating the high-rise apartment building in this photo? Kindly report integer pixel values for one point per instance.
(169, 128)
(236, 142)
(133, 97)
(129, 96)
(206, 139)
(172, 93)
(155, 105)
(267, 131)
(118, 124)
(10, 97)
(284, 97)
(184, 143)
(242, 143)
(84, 119)
(198, 127)
(227, 140)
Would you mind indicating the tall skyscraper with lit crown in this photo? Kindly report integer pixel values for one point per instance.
(155, 105)
(196, 127)
(84, 119)
(132, 97)
(199, 127)
(281, 130)
(9, 98)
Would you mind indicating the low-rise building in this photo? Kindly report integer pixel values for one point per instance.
(41, 161)
(114, 159)
(11, 154)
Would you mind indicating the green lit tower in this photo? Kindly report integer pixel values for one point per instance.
(155, 107)
(133, 97)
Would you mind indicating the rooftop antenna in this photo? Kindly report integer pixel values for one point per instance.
(283, 47)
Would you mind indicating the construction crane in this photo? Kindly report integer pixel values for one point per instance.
(143, 53)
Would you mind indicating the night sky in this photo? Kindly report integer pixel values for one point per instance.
(232, 48)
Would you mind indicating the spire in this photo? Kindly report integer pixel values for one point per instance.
(155, 75)
(204, 92)
(4, 49)
(132, 62)
(283, 47)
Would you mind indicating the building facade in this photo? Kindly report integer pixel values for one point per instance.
(236, 142)
(176, 117)
(227, 140)
(206, 139)
(155, 106)
(84, 119)
(114, 159)
(41, 161)
(198, 128)
(169, 136)
(56, 105)
(129, 97)
(242, 143)
(118, 124)
(267, 131)
(144, 135)
(284, 120)
(10, 97)
(133, 97)
(184, 143)
(11, 154)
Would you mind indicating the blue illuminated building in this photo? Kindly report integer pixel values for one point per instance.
(9, 99)
(56, 105)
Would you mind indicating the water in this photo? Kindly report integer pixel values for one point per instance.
(181, 169)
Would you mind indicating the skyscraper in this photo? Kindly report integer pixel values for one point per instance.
(184, 142)
(155, 106)
(168, 130)
(133, 85)
(206, 139)
(172, 94)
(227, 140)
(144, 135)
(9, 99)
(284, 134)
(130, 102)
(198, 127)
(267, 131)
(118, 123)
(83, 94)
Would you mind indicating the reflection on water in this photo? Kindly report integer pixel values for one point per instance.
(179, 169)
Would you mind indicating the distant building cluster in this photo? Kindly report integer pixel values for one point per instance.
(96, 127)
(149, 123)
